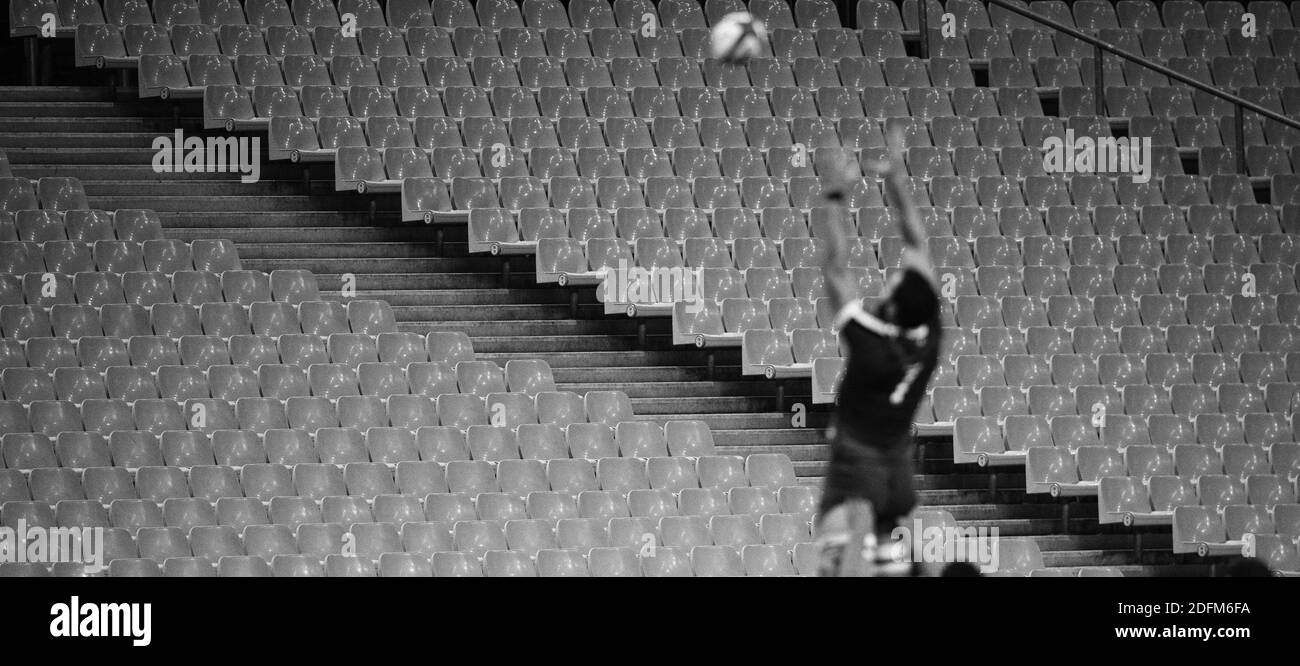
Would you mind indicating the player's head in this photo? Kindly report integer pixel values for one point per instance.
(912, 301)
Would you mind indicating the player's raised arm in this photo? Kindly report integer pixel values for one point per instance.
(839, 284)
(893, 171)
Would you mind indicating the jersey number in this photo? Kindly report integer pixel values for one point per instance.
(905, 385)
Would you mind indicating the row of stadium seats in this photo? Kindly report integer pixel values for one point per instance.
(1205, 508)
(1203, 312)
(318, 97)
(700, 183)
(561, 436)
(141, 40)
(1088, 15)
(197, 519)
(298, 350)
(1206, 532)
(95, 352)
(1182, 264)
(159, 256)
(87, 226)
(428, 553)
(518, 192)
(531, 115)
(47, 485)
(1015, 434)
(1204, 296)
(302, 367)
(323, 491)
(1220, 473)
(613, 59)
(1207, 513)
(168, 319)
(1272, 375)
(404, 14)
(1188, 401)
(954, 169)
(556, 181)
(1217, 410)
(176, 320)
(58, 194)
(704, 561)
(461, 410)
(1206, 234)
(766, 277)
(644, 147)
(231, 382)
(1266, 79)
(312, 93)
(764, 347)
(146, 270)
(1234, 339)
(980, 45)
(196, 59)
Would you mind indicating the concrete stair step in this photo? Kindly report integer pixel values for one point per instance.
(448, 297)
(31, 95)
(341, 201)
(981, 512)
(726, 367)
(332, 234)
(665, 388)
(220, 184)
(618, 378)
(600, 337)
(106, 125)
(583, 338)
(78, 139)
(458, 313)
(174, 221)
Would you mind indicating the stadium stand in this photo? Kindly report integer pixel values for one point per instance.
(369, 357)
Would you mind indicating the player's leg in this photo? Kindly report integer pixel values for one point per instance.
(842, 539)
(892, 506)
(898, 488)
(841, 512)
(867, 492)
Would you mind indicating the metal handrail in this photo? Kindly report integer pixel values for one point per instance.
(1099, 46)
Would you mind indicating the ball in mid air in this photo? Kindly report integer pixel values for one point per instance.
(738, 37)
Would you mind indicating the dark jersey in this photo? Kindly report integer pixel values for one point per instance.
(887, 372)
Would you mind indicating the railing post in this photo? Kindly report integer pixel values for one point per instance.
(1239, 129)
(1099, 79)
(923, 12)
(33, 61)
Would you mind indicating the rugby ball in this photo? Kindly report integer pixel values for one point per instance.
(738, 37)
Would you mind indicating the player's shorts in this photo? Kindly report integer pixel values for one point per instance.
(880, 476)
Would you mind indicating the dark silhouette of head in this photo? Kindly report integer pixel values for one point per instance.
(912, 302)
